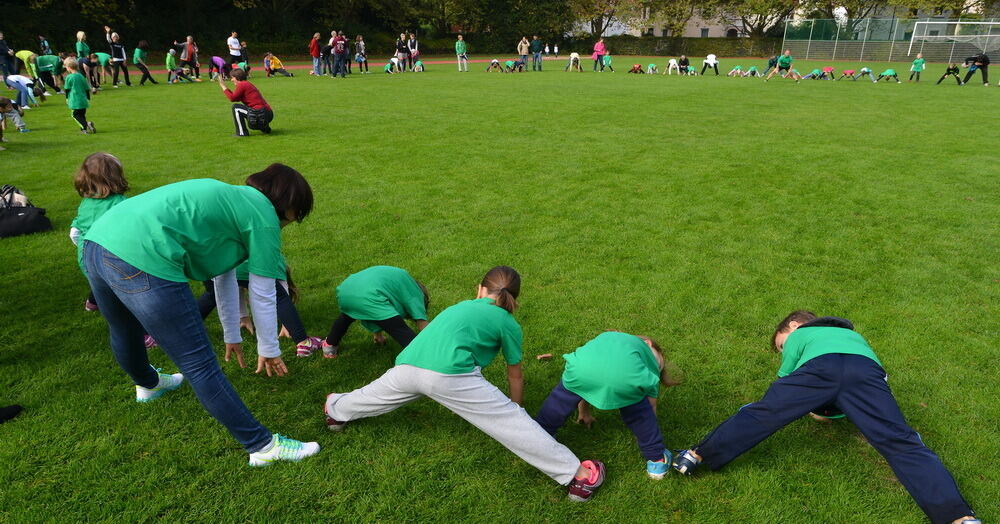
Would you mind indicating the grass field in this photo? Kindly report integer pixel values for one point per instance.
(698, 211)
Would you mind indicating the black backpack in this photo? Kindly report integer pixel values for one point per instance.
(18, 216)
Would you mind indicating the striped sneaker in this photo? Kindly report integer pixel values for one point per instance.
(580, 490)
(308, 346)
(283, 448)
(167, 383)
(149, 341)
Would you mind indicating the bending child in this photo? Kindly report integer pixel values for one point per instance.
(866, 71)
(636, 69)
(952, 70)
(888, 74)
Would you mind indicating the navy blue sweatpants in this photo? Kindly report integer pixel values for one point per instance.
(858, 386)
(638, 417)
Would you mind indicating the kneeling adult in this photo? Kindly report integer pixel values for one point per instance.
(250, 110)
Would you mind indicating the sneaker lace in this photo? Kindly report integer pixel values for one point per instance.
(287, 447)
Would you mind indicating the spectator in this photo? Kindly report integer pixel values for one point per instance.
(326, 58)
(413, 49)
(361, 55)
(315, 54)
(189, 56)
(43, 45)
(536, 54)
(401, 52)
(339, 44)
(461, 54)
(6, 62)
(523, 47)
(235, 49)
(598, 56)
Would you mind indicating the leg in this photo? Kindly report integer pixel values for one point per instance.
(868, 402)
(124, 66)
(481, 404)
(940, 79)
(703, 68)
(384, 394)
(338, 329)
(641, 420)
(80, 115)
(114, 76)
(240, 113)
(288, 316)
(397, 329)
(986, 73)
(206, 302)
(557, 408)
(812, 385)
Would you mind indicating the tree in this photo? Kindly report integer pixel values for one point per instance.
(853, 10)
(756, 16)
(599, 14)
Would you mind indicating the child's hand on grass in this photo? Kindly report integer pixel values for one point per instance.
(586, 419)
(237, 351)
(273, 366)
(247, 324)
(379, 338)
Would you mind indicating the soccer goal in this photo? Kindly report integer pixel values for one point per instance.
(953, 40)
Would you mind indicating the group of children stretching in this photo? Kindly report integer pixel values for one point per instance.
(827, 370)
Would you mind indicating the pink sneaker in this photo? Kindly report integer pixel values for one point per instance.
(149, 341)
(308, 346)
(580, 490)
(89, 306)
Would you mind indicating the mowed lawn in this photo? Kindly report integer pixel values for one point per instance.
(698, 211)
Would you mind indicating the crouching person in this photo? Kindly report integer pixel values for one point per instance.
(250, 110)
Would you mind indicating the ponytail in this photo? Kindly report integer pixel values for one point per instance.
(505, 283)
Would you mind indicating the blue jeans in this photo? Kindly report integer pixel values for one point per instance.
(135, 303)
(24, 96)
(316, 66)
(857, 385)
(639, 418)
(536, 59)
(338, 65)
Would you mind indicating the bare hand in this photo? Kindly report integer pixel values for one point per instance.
(284, 332)
(247, 324)
(586, 419)
(273, 366)
(236, 349)
(379, 338)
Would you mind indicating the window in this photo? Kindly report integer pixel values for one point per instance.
(933, 33)
(704, 32)
(732, 33)
(651, 31)
(666, 31)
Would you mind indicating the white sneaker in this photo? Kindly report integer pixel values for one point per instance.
(167, 383)
(283, 448)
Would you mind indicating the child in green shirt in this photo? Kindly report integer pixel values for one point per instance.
(445, 361)
(917, 67)
(614, 371)
(888, 74)
(825, 364)
(607, 61)
(77, 92)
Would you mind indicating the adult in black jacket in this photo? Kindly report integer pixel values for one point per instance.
(6, 59)
(119, 59)
(982, 62)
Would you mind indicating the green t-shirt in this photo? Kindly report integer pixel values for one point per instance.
(76, 88)
(194, 230)
(463, 337)
(807, 343)
(388, 67)
(612, 371)
(785, 61)
(49, 63)
(103, 58)
(460, 47)
(509, 63)
(607, 60)
(888, 72)
(139, 56)
(171, 62)
(418, 63)
(752, 69)
(82, 49)
(380, 293)
(737, 68)
(815, 72)
(87, 213)
(244, 66)
(918, 64)
(651, 66)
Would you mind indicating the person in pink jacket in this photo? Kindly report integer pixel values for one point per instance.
(599, 51)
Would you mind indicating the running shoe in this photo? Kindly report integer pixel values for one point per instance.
(283, 448)
(580, 490)
(167, 383)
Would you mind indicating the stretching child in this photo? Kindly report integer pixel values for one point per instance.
(735, 71)
(824, 362)
(139, 59)
(866, 71)
(574, 63)
(9, 110)
(444, 362)
(672, 66)
(636, 69)
(614, 371)
(828, 73)
(888, 74)
(494, 66)
(917, 67)
(952, 70)
(273, 66)
(382, 298)
(100, 180)
(217, 66)
(752, 72)
(606, 61)
(847, 73)
(77, 92)
(174, 71)
(651, 69)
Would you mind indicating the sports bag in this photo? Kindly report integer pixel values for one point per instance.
(18, 216)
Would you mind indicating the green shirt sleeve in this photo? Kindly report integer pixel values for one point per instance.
(510, 342)
(264, 245)
(790, 355)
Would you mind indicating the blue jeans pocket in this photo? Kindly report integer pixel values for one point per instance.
(123, 276)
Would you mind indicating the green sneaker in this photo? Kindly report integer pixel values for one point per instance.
(283, 448)
(167, 383)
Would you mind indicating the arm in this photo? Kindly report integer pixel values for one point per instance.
(421, 324)
(74, 235)
(515, 378)
(227, 298)
(263, 305)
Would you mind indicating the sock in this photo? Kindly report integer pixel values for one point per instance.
(268, 447)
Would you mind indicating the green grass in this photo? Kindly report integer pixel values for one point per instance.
(698, 211)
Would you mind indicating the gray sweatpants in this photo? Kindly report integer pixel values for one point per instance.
(469, 396)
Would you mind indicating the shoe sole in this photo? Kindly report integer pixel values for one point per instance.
(656, 476)
(258, 463)
(159, 393)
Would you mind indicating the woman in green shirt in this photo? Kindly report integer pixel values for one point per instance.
(444, 362)
(826, 364)
(139, 59)
(141, 254)
(460, 53)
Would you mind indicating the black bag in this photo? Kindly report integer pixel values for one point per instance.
(18, 216)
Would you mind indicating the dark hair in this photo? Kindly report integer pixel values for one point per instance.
(505, 283)
(285, 187)
(100, 176)
(800, 315)
(665, 377)
(4, 102)
(239, 74)
(427, 295)
(142, 44)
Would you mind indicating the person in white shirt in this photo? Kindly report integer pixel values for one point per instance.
(546, 49)
(574, 63)
(555, 50)
(235, 49)
(710, 61)
(672, 66)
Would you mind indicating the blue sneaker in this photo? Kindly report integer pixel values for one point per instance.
(685, 462)
(24, 130)
(167, 383)
(657, 469)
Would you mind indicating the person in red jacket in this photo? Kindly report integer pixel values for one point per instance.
(250, 110)
(314, 53)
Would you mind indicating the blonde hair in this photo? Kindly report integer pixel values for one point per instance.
(80, 35)
(71, 63)
(100, 176)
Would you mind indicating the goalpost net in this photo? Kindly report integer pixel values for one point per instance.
(953, 41)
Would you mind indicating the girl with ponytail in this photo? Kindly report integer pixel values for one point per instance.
(445, 361)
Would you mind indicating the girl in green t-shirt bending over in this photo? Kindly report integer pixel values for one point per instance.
(444, 362)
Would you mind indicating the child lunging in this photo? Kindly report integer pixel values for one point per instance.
(614, 371)
(382, 298)
(273, 66)
(952, 70)
(825, 363)
(444, 362)
(77, 92)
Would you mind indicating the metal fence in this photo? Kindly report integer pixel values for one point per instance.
(890, 39)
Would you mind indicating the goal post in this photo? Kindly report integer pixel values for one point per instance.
(955, 38)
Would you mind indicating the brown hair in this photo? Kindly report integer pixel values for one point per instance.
(4, 102)
(505, 283)
(665, 377)
(238, 74)
(100, 176)
(800, 315)
(286, 188)
(427, 294)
